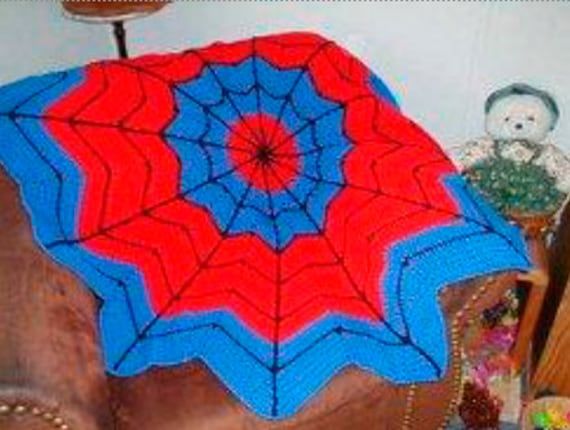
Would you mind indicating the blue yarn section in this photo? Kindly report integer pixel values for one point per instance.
(383, 91)
(201, 129)
(410, 346)
(47, 177)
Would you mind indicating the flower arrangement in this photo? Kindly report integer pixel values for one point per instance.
(514, 187)
(547, 413)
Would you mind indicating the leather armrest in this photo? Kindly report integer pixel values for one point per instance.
(51, 372)
(189, 397)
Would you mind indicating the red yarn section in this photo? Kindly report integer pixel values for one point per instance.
(265, 140)
(133, 209)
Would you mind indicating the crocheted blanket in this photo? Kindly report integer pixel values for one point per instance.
(262, 206)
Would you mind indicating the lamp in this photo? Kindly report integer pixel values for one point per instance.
(114, 13)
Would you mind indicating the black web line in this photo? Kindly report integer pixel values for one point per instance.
(288, 98)
(123, 286)
(481, 211)
(120, 125)
(12, 116)
(255, 71)
(153, 250)
(231, 292)
(106, 167)
(188, 283)
(142, 101)
(337, 329)
(227, 93)
(57, 174)
(106, 181)
(277, 297)
(405, 339)
(162, 203)
(246, 264)
(144, 204)
(427, 205)
(384, 193)
(149, 132)
(257, 88)
(62, 76)
(59, 178)
(204, 263)
(15, 119)
(210, 112)
(176, 88)
(485, 230)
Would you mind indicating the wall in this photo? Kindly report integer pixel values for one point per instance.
(35, 37)
(442, 59)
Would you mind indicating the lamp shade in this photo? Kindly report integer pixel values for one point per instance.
(106, 11)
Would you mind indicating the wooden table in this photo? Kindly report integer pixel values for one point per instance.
(553, 369)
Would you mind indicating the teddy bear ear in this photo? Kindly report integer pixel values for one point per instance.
(524, 89)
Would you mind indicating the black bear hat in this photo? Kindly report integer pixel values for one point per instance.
(524, 89)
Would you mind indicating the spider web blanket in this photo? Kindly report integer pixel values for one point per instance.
(262, 206)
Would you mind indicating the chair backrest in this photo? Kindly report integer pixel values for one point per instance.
(559, 271)
(552, 339)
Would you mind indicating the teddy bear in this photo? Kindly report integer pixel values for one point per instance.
(515, 165)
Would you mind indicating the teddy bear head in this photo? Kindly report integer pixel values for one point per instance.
(520, 112)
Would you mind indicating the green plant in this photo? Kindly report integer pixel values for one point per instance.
(515, 187)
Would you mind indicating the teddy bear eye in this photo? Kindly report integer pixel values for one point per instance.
(530, 118)
(507, 119)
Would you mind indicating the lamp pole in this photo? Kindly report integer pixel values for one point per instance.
(120, 38)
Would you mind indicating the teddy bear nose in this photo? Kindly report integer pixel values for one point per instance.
(518, 126)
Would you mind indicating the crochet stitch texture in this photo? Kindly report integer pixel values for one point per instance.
(262, 206)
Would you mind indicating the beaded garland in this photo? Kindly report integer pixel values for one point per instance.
(21, 409)
(261, 205)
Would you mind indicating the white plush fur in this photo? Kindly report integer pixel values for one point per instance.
(519, 117)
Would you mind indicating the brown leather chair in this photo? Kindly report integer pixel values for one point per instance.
(52, 376)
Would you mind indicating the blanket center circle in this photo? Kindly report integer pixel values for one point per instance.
(263, 152)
